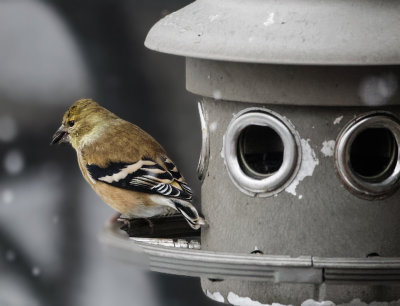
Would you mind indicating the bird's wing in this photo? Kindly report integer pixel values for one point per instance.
(144, 175)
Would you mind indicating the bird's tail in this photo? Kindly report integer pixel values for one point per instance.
(190, 213)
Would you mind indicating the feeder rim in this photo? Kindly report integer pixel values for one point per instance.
(255, 267)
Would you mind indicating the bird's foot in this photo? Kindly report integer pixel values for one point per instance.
(126, 223)
(139, 224)
(114, 219)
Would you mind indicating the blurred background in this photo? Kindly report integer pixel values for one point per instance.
(52, 53)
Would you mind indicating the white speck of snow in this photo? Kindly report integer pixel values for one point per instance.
(36, 271)
(7, 196)
(208, 76)
(8, 128)
(377, 90)
(213, 126)
(300, 196)
(213, 17)
(270, 20)
(328, 148)
(234, 299)
(216, 296)
(308, 163)
(10, 256)
(217, 94)
(311, 302)
(14, 162)
(337, 120)
(251, 39)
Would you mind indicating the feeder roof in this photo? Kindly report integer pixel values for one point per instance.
(316, 32)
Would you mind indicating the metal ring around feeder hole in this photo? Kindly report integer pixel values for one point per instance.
(205, 144)
(382, 184)
(252, 183)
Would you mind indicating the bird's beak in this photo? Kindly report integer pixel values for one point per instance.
(60, 136)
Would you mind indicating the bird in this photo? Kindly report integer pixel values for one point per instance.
(127, 168)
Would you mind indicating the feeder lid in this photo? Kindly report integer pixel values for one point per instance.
(317, 32)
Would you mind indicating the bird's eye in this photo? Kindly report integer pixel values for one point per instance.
(71, 123)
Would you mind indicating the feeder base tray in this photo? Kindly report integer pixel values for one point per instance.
(170, 246)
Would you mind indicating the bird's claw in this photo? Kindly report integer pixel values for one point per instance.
(126, 223)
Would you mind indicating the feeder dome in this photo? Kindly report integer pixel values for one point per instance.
(319, 32)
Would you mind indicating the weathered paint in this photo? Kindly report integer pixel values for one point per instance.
(308, 163)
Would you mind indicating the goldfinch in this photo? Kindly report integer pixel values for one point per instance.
(127, 168)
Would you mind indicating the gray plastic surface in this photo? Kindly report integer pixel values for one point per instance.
(342, 32)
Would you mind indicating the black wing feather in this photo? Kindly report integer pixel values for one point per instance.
(169, 164)
(150, 177)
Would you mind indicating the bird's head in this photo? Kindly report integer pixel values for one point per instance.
(80, 121)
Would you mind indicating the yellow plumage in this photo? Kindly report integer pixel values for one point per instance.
(124, 165)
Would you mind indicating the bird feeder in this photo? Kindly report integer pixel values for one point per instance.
(300, 160)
